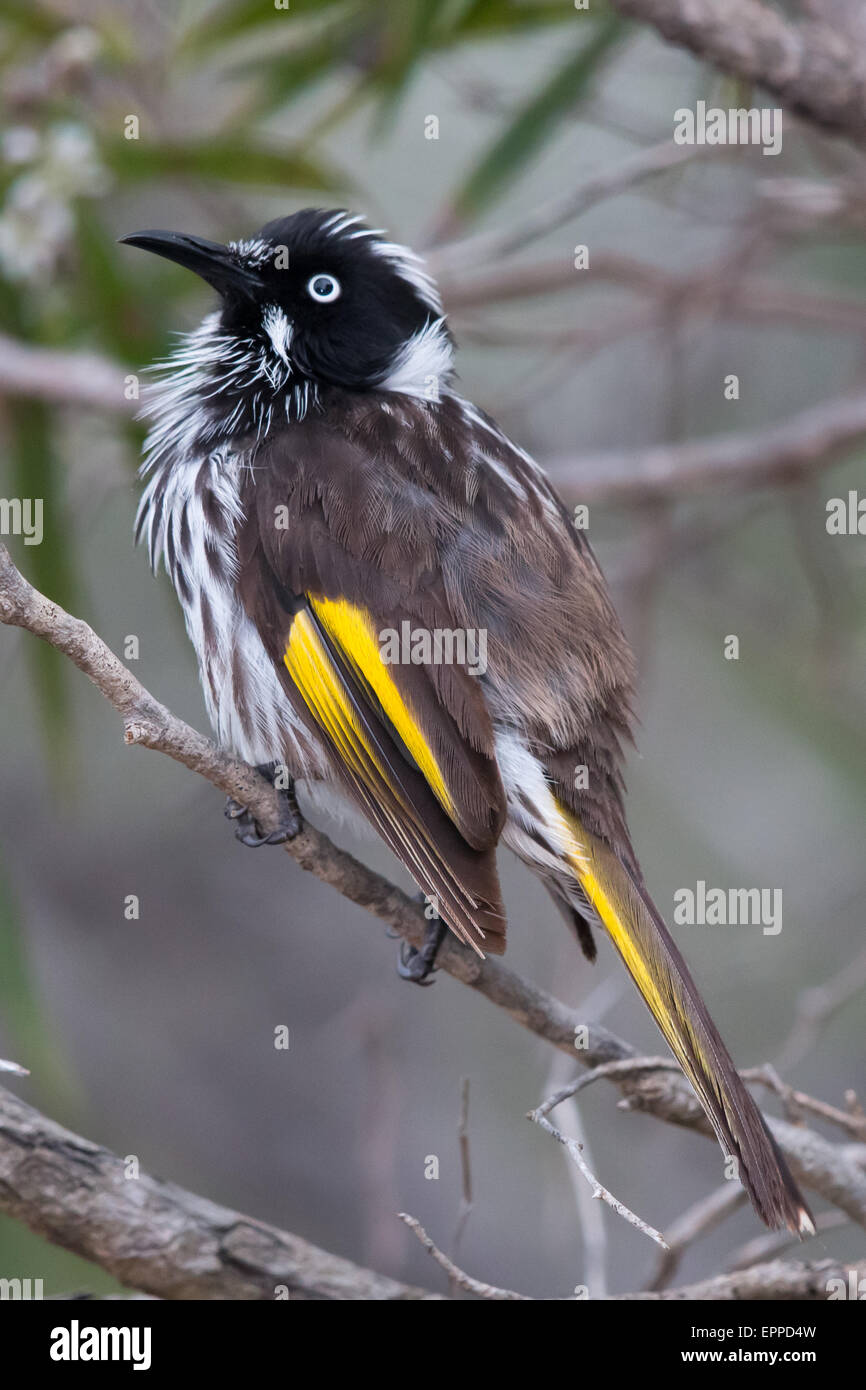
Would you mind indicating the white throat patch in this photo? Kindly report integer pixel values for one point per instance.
(424, 364)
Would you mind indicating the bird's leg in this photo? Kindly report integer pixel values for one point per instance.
(419, 965)
(248, 830)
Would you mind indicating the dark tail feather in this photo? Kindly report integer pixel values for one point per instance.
(640, 936)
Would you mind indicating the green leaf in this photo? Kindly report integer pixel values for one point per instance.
(489, 19)
(113, 301)
(233, 161)
(232, 21)
(535, 122)
(31, 1038)
(381, 40)
(407, 34)
(33, 19)
(285, 76)
(36, 474)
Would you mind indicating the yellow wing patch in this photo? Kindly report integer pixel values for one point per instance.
(313, 673)
(351, 629)
(378, 782)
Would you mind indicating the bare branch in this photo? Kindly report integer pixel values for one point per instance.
(795, 1102)
(816, 1006)
(149, 723)
(771, 1243)
(155, 1236)
(486, 248)
(575, 1150)
(705, 1215)
(776, 1280)
(589, 1213)
(818, 1164)
(709, 290)
(457, 1276)
(62, 378)
(14, 1067)
(810, 440)
(465, 1208)
(816, 70)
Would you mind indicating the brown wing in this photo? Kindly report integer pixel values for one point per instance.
(412, 742)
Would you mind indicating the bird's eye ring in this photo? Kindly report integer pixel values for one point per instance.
(323, 288)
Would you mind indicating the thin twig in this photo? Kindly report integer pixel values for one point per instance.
(14, 1067)
(704, 1216)
(771, 1243)
(623, 1067)
(63, 378)
(575, 1150)
(795, 1102)
(487, 248)
(458, 1276)
(810, 440)
(465, 1208)
(816, 1006)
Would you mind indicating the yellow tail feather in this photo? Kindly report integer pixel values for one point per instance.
(623, 906)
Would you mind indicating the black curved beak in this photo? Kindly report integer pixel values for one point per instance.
(214, 263)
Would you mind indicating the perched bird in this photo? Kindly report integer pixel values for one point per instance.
(344, 533)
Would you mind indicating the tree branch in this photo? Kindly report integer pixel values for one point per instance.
(776, 1280)
(830, 1170)
(61, 377)
(157, 1237)
(707, 291)
(486, 248)
(814, 69)
(810, 440)
(457, 1276)
(161, 1240)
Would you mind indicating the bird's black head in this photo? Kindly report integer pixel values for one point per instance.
(319, 298)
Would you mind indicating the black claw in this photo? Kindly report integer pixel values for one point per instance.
(249, 837)
(412, 966)
(247, 829)
(420, 966)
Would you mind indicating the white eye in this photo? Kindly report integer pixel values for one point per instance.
(323, 288)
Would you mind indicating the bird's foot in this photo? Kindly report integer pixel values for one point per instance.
(247, 828)
(419, 965)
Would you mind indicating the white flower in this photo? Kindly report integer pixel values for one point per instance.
(70, 161)
(21, 144)
(75, 49)
(34, 227)
(37, 221)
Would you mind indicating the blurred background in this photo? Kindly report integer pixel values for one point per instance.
(155, 1036)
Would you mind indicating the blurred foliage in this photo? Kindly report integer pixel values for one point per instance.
(23, 1017)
